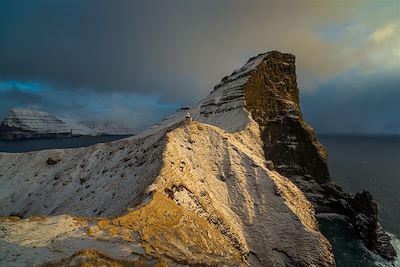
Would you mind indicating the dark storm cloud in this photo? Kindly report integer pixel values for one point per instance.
(177, 49)
(392, 127)
(354, 104)
(19, 96)
(136, 111)
(103, 45)
(15, 98)
(173, 52)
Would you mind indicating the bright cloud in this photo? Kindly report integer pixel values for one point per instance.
(383, 34)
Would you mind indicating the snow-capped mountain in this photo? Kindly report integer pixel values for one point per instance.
(31, 124)
(22, 124)
(235, 180)
(106, 128)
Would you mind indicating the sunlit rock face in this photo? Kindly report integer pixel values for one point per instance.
(195, 189)
(199, 194)
(29, 124)
(266, 87)
(272, 97)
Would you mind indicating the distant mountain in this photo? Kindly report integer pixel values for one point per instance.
(28, 124)
(31, 124)
(106, 128)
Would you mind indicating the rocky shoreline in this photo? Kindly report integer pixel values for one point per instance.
(359, 208)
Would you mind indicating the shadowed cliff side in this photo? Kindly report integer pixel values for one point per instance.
(272, 98)
(288, 141)
(190, 190)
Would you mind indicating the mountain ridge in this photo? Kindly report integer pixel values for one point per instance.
(32, 124)
(216, 168)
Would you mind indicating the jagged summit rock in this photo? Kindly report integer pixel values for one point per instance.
(266, 87)
(25, 124)
(211, 192)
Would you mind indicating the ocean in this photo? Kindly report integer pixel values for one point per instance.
(42, 144)
(356, 163)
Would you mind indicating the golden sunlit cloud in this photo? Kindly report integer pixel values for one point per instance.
(383, 34)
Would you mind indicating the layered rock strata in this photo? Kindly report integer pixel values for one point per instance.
(266, 87)
(200, 191)
(29, 124)
(272, 97)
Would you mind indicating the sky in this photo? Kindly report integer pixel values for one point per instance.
(138, 61)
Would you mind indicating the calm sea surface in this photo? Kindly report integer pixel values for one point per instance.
(41, 144)
(356, 163)
(364, 162)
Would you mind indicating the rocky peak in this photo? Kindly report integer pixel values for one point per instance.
(187, 192)
(272, 97)
(266, 86)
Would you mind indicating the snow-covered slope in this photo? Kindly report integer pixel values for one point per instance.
(219, 178)
(224, 107)
(106, 128)
(187, 191)
(21, 123)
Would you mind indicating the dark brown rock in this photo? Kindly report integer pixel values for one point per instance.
(51, 161)
(365, 219)
(272, 98)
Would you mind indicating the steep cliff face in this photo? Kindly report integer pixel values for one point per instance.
(183, 192)
(26, 124)
(188, 191)
(266, 87)
(272, 97)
